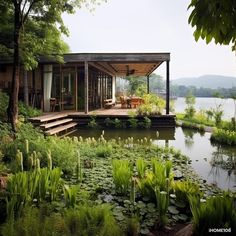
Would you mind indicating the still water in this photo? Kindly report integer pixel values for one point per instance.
(208, 103)
(208, 160)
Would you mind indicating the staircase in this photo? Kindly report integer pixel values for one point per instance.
(55, 124)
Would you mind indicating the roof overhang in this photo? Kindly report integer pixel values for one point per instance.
(115, 64)
(119, 64)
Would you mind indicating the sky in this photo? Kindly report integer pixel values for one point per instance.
(148, 26)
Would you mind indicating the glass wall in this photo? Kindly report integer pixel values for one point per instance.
(69, 91)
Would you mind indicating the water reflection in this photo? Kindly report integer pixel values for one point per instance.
(214, 163)
(188, 137)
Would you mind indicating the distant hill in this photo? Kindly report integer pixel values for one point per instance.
(207, 81)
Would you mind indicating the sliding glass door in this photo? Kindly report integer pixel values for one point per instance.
(68, 91)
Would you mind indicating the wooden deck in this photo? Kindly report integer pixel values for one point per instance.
(82, 119)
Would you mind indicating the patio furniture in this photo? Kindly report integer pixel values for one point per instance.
(135, 101)
(108, 103)
(123, 102)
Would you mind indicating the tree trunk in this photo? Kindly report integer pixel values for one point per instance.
(12, 110)
(26, 88)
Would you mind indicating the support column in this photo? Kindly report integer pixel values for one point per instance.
(148, 90)
(167, 87)
(76, 88)
(86, 74)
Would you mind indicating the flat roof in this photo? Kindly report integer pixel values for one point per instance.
(117, 64)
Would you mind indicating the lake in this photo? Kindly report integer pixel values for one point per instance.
(208, 160)
(207, 103)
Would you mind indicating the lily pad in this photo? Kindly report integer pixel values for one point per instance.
(183, 217)
(144, 231)
(173, 210)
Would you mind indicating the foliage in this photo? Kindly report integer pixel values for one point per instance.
(36, 222)
(92, 123)
(157, 183)
(184, 189)
(138, 85)
(103, 150)
(28, 111)
(153, 105)
(24, 187)
(3, 105)
(97, 220)
(117, 123)
(141, 168)
(63, 151)
(70, 195)
(216, 23)
(122, 173)
(216, 212)
(190, 102)
(224, 136)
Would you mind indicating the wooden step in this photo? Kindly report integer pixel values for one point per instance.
(47, 118)
(60, 128)
(55, 123)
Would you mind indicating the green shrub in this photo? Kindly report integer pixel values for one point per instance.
(117, 123)
(153, 105)
(103, 150)
(92, 123)
(28, 111)
(224, 136)
(3, 106)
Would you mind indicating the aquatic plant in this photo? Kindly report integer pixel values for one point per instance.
(92, 123)
(70, 194)
(122, 173)
(217, 212)
(79, 171)
(157, 185)
(92, 221)
(224, 136)
(184, 189)
(118, 123)
(133, 226)
(141, 168)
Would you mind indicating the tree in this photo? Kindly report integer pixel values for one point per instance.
(190, 102)
(47, 13)
(214, 20)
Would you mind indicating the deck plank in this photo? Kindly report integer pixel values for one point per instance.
(55, 123)
(60, 128)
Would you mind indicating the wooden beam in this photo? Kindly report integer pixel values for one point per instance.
(148, 89)
(101, 68)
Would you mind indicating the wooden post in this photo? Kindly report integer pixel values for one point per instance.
(86, 74)
(101, 90)
(148, 90)
(76, 88)
(167, 87)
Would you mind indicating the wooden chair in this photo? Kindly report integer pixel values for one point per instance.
(123, 102)
(135, 102)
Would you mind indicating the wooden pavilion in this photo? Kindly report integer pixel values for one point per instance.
(84, 80)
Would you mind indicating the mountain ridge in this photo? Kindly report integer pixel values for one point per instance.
(207, 81)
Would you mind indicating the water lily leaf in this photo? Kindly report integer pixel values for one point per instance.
(180, 204)
(183, 217)
(144, 231)
(173, 210)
